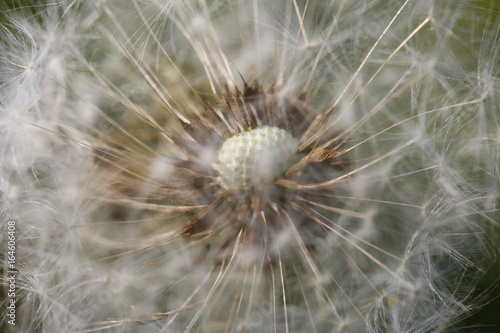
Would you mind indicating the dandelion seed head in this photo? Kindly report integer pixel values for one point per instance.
(255, 157)
(363, 137)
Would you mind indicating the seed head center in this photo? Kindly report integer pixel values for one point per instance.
(255, 158)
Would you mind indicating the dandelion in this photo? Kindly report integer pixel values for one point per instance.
(252, 166)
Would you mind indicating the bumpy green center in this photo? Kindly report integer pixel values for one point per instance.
(255, 158)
